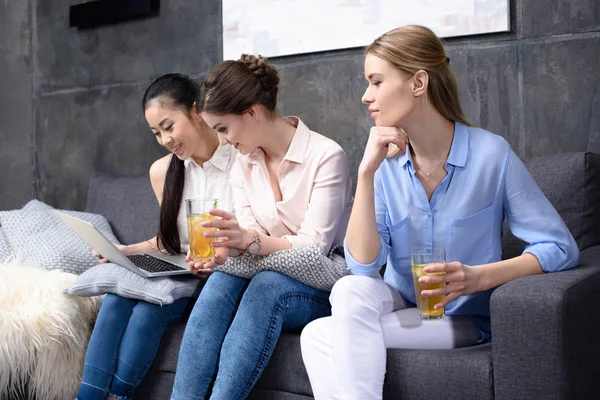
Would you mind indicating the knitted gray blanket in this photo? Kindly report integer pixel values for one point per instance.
(307, 265)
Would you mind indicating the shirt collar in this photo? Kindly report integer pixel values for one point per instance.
(403, 158)
(219, 160)
(298, 145)
(458, 151)
(460, 146)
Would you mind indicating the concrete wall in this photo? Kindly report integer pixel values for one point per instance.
(78, 103)
(89, 114)
(16, 105)
(538, 86)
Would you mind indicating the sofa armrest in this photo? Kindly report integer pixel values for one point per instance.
(545, 328)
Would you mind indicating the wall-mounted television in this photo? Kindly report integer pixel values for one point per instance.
(102, 12)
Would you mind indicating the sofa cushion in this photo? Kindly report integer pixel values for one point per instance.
(285, 371)
(157, 385)
(467, 372)
(128, 202)
(95, 219)
(168, 351)
(571, 181)
(5, 251)
(268, 394)
(439, 374)
(40, 239)
(113, 278)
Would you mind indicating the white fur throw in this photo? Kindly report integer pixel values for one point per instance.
(43, 333)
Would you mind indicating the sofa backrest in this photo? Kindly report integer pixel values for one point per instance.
(128, 202)
(571, 181)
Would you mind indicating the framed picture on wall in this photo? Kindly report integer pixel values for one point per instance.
(284, 27)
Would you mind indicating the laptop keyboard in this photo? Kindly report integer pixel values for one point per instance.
(151, 264)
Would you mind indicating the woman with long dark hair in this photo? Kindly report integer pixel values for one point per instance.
(127, 332)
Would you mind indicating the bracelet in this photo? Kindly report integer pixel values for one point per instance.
(151, 245)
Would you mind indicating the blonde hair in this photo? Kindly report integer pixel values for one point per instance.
(412, 48)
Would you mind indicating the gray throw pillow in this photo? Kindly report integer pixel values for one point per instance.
(40, 239)
(97, 220)
(307, 265)
(112, 278)
(5, 250)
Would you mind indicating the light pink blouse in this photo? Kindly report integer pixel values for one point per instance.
(315, 188)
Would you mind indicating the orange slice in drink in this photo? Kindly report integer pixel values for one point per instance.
(203, 249)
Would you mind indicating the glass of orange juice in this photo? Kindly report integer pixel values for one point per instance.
(419, 259)
(197, 212)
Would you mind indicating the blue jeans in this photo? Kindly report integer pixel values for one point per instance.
(123, 344)
(234, 328)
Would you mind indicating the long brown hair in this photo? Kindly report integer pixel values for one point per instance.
(412, 48)
(232, 87)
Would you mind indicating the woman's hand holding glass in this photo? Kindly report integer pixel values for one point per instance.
(229, 235)
(461, 280)
(380, 138)
(201, 270)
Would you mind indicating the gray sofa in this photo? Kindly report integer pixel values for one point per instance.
(546, 341)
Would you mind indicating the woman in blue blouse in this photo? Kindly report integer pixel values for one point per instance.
(443, 184)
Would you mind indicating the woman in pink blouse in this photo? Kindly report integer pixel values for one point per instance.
(291, 190)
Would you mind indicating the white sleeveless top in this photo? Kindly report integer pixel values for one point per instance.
(209, 180)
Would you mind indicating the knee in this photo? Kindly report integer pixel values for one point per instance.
(267, 286)
(353, 294)
(112, 302)
(219, 289)
(267, 280)
(315, 341)
(218, 300)
(312, 333)
(114, 310)
(145, 316)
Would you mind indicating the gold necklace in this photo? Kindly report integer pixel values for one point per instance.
(428, 175)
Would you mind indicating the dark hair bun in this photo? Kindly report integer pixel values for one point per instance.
(265, 72)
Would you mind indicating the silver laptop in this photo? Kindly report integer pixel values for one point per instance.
(148, 264)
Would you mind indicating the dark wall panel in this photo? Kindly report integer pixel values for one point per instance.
(89, 114)
(184, 37)
(561, 101)
(326, 94)
(16, 104)
(86, 131)
(555, 17)
(487, 78)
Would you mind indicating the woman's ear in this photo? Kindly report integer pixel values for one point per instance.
(196, 113)
(253, 112)
(259, 113)
(420, 83)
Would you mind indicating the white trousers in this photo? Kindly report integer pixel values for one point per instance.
(345, 354)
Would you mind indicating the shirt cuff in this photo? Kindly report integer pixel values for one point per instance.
(358, 268)
(550, 256)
